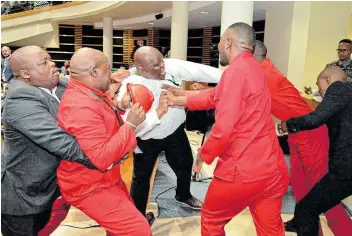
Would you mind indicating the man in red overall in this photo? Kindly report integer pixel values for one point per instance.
(251, 170)
(308, 149)
(86, 112)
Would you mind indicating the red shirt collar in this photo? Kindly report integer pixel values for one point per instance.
(243, 55)
(83, 87)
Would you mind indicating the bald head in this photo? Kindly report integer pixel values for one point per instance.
(328, 76)
(260, 51)
(91, 67)
(333, 73)
(149, 63)
(22, 57)
(33, 65)
(237, 38)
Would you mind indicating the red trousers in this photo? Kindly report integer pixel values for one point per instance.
(58, 214)
(309, 163)
(112, 208)
(224, 200)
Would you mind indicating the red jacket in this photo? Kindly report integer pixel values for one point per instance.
(94, 124)
(243, 135)
(286, 101)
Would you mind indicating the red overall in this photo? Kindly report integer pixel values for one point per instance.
(101, 195)
(251, 171)
(308, 149)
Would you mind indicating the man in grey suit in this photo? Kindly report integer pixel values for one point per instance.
(34, 143)
(6, 72)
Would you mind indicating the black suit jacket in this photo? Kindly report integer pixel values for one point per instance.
(336, 112)
(33, 147)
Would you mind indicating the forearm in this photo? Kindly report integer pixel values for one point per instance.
(202, 101)
(179, 101)
(195, 92)
(335, 99)
(44, 131)
(307, 122)
(69, 150)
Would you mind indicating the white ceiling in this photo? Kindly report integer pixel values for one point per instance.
(139, 15)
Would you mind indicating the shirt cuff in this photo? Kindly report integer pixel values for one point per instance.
(205, 156)
(292, 127)
(151, 120)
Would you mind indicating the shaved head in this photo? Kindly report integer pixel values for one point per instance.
(328, 76)
(334, 73)
(149, 63)
(91, 67)
(33, 65)
(244, 34)
(237, 38)
(20, 59)
(260, 51)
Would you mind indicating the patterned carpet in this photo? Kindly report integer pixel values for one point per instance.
(169, 208)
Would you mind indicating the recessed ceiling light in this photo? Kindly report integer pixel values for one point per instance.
(204, 12)
(151, 23)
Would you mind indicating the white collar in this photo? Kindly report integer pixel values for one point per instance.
(52, 93)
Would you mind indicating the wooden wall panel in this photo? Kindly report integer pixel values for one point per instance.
(78, 37)
(207, 38)
(153, 37)
(127, 46)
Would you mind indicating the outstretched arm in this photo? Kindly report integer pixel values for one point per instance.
(336, 98)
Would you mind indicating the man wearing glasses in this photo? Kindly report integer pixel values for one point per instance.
(345, 63)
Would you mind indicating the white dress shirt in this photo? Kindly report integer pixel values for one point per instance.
(176, 71)
(51, 93)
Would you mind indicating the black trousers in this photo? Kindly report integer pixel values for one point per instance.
(326, 194)
(26, 225)
(179, 156)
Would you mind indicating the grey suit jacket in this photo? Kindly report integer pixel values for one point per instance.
(33, 147)
(8, 72)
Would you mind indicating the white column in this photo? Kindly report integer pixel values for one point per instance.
(107, 38)
(179, 30)
(234, 11)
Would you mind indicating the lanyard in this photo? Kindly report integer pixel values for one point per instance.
(111, 106)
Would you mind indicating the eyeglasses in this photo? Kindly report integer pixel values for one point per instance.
(342, 50)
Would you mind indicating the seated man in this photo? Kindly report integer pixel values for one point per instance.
(335, 111)
(163, 129)
(87, 113)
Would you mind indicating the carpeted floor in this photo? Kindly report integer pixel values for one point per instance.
(164, 191)
(169, 208)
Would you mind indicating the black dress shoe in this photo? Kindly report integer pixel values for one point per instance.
(291, 226)
(192, 202)
(150, 218)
